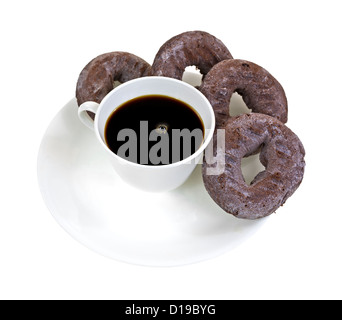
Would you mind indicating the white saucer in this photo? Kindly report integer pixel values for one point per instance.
(89, 200)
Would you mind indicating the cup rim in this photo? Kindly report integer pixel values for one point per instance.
(189, 159)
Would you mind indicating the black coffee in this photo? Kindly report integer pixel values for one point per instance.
(154, 130)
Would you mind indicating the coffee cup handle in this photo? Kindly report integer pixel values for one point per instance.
(83, 114)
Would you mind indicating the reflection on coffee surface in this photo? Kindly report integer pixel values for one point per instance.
(154, 130)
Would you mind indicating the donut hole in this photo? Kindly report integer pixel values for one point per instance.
(193, 76)
(251, 167)
(116, 83)
(237, 106)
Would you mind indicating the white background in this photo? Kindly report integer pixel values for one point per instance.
(44, 47)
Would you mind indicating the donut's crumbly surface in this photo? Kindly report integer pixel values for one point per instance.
(259, 89)
(97, 78)
(192, 48)
(282, 154)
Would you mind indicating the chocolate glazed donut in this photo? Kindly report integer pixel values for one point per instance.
(282, 154)
(259, 89)
(192, 48)
(97, 78)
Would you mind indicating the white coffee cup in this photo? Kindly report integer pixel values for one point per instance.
(159, 177)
